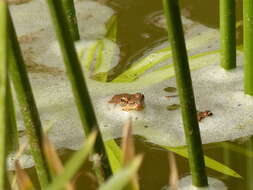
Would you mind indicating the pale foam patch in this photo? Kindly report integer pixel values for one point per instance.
(215, 90)
(186, 184)
(30, 17)
(33, 16)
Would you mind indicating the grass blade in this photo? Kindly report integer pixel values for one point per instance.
(53, 160)
(27, 104)
(129, 153)
(184, 86)
(248, 46)
(173, 178)
(69, 11)
(23, 180)
(114, 155)
(122, 178)
(228, 34)
(3, 92)
(73, 164)
(12, 131)
(77, 79)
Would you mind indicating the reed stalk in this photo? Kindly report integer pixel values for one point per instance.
(11, 130)
(3, 91)
(184, 85)
(248, 46)
(74, 72)
(228, 34)
(27, 105)
(69, 11)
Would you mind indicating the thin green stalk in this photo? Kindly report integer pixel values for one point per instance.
(248, 46)
(3, 95)
(69, 11)
(249, 164)
(27, 104)
(228, 34)
(184, 85)
(77, 79)
(12, 131)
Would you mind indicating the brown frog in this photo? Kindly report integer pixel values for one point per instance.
(203, 114)
(129, 102)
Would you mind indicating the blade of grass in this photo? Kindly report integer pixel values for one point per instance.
(128, 151)
(114, 155)
(184, 86)
(77, 79)
(53, 160)
(12, 131)
(248, 46)
(27, 105)
(228, 34)
(73, 164)
(69, 11)
(3, 94)
(23, 180)
(127, 144)
(122, 177)
(173, 178)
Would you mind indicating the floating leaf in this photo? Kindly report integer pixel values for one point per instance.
(209, 162)
(170, 89)
(173, 107)
(142, 65)
(111, 26)
(236, 148)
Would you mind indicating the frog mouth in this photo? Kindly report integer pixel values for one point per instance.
(133, 106)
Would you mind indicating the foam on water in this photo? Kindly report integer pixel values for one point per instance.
(215, 90)
(185, 183)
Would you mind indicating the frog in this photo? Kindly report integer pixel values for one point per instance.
(129, 102)
(203, 114)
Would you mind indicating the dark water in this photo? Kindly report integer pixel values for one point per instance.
(134, 35)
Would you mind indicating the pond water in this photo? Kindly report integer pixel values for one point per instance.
(135, 34)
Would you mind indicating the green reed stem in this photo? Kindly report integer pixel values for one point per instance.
(248, 46)
(228, 33)
(184, 84)
(69, 11)
(12, 131)
(27, 104)
(3, 95)
(77, 79)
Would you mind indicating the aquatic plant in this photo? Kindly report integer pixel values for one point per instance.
(3, 93)
(248, 46)
(228, 34)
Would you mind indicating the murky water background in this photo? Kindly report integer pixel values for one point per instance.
(135, 34)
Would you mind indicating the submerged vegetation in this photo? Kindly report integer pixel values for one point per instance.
(90, 64)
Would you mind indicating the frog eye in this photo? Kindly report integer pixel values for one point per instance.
(123, 99)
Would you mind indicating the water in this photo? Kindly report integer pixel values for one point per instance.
(134, 35)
